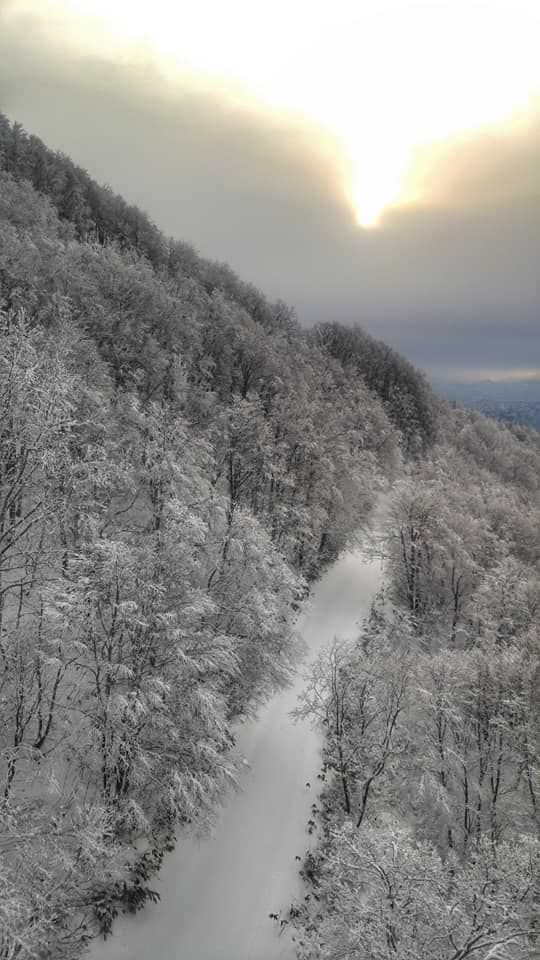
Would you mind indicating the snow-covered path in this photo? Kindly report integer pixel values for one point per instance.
(216, 893)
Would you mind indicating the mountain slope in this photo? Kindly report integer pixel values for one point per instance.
(178, 459)
(175, 459)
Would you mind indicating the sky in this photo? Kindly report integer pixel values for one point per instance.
(368, 161)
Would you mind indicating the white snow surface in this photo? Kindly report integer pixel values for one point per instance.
(217, 892)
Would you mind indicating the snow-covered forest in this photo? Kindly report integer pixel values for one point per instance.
(179, 460)
(430, 809)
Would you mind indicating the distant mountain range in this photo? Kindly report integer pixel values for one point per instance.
(512, 401)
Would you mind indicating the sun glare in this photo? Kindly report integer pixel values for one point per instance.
(382, 78)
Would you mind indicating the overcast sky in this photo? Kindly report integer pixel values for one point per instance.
(451, 279)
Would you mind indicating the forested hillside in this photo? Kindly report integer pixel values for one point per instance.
(178, 460)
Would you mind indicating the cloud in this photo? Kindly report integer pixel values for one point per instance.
(452, 282)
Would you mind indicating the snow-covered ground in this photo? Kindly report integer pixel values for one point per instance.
(217, 893)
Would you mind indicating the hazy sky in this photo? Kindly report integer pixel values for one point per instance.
(367, 161)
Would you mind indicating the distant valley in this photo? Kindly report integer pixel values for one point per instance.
(510, 401)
